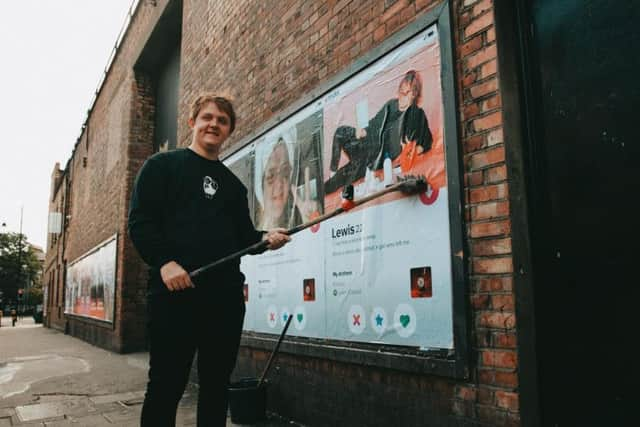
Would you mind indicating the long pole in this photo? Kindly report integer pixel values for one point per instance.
(20, 259)
(275, 350)
(410, 185)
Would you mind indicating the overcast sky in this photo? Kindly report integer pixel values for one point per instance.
(52, 54)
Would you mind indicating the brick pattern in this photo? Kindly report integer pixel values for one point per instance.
(494, 390)
(305, 43)
(267, 55)
(319, 392)
(53, 256)
(281, 51)
(114, 142)
(134, 272)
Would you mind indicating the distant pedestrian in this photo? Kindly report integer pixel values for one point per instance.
(14, 317)
(188, 209)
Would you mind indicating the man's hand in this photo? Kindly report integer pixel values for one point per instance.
(361, 133)
(276, 238)
(175, 277)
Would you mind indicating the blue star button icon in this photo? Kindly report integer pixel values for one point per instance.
(379, 320)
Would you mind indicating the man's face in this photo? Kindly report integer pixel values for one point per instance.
(276, 181)
(210, 128)
(405, 96)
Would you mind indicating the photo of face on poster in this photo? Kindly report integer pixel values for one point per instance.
(385, 124)
(287, 176)
(272, 181)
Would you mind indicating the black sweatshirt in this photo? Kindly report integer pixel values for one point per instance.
(191, 210)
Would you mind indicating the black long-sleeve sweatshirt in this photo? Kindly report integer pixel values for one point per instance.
(191, 210)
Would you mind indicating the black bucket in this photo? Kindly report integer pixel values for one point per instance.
(247, 401)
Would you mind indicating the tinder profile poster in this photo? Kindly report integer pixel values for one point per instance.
(288, 282)
(388, 274)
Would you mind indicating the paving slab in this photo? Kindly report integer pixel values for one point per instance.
(96, 420)
(6, 412)
(124, 415)
(118, 397)
(47, 411)
(108, 407)
(40, 411)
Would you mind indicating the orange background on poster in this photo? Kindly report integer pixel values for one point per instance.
(380, 89)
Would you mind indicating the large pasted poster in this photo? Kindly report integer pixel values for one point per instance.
(90, 283)
(380, 273)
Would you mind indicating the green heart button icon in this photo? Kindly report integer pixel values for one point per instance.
(404, 320)
(300, 317)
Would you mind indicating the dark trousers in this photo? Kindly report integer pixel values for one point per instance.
(358, 152)
(181, 323)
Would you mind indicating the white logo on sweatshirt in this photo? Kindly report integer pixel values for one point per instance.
(209, 186)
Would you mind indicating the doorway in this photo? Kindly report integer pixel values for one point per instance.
(581, 90)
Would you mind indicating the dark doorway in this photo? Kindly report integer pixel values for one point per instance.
(158, 70)
(582, 91)
(167, 82)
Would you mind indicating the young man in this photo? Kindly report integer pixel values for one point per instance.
(187, 209)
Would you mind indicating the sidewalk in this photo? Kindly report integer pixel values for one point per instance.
(48, 379)
(23, 322)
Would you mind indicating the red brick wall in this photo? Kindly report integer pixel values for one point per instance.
(116, 139)
(53, 255)
(277, 52)
(493, 394)
(267, 55)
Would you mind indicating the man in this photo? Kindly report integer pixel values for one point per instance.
(398, 124)
(187, 209)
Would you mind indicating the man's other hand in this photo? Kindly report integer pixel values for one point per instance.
(175, 277)
(276, 238)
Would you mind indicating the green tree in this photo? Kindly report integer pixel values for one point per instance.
(34, 295)
(18, 265)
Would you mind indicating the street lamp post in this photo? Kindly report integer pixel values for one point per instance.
(4, 225)
(20, 264)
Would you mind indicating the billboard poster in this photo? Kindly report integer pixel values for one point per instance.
(90, 283)
(242, 165)
(380, 273)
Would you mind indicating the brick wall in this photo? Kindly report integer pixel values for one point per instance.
(281, 50)
(267, 55)
(53, 255)
(113, 143)
(493, 396)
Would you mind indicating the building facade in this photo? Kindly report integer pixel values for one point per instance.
(501, 341)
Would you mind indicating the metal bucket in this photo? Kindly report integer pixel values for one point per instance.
(247, 401)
